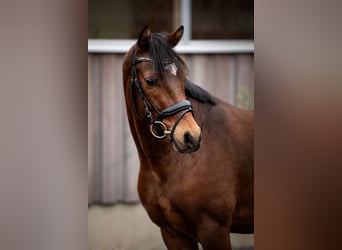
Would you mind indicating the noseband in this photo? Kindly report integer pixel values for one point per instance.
(157, 127)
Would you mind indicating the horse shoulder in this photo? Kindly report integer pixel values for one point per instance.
(231, 165)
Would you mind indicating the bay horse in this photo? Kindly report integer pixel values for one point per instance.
(196, 152)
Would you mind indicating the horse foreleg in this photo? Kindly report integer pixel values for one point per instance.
(213, 235)
(177, 241)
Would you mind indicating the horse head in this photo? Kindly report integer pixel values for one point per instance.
(157, 89)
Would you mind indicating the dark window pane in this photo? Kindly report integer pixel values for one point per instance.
(123, 19)
(222, 19)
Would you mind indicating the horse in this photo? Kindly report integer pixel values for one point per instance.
(196, 152)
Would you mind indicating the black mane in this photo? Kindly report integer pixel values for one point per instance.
(162, 53)
(196, 92)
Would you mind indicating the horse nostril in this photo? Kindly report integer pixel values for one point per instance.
(189, 140)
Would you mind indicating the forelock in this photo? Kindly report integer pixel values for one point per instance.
(162, 54)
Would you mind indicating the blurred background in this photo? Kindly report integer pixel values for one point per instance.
(43, 98)
(218, 48)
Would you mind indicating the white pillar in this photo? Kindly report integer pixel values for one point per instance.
(185, 10)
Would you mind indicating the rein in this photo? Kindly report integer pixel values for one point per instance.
(157, 128)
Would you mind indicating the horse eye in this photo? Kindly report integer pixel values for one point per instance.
(150, 82)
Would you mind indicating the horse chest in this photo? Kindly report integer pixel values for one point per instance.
(170, 213)
(163, 205)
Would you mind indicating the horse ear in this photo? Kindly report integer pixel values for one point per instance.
(144, 38)
(175, 37)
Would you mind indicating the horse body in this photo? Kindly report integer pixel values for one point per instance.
(203, 195)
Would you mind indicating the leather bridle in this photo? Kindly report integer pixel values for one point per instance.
(157, 127)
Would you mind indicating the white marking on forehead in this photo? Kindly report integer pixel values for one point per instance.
(172, 68)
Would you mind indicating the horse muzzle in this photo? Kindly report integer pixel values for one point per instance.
(187, 136)
(189, 145)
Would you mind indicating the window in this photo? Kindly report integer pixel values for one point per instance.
(117, 19)
(222, 19)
